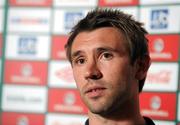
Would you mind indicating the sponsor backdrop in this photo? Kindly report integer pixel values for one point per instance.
(37, 86)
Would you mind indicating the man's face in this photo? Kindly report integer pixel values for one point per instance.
(102, 70)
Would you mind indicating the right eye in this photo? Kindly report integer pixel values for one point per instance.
(79, 61)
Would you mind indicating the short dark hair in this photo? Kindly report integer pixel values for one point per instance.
(132, 29)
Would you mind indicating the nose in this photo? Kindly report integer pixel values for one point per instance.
(92, 71)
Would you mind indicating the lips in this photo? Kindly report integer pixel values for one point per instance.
(95, 91)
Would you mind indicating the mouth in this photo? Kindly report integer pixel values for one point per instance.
(94, 92)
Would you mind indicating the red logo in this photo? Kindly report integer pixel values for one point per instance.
(118, 2)
(23, 72)
(58, 51)
(163, 47)
(68, 101)
(30, 2)
(160, 106)
(22, 119)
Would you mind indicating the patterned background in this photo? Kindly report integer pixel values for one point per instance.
(37, 86)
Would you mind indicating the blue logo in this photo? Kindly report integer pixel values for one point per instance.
(27, 45)
(20, 20)
(159, 19)
(71, 18)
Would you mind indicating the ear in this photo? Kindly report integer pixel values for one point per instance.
(142, 66)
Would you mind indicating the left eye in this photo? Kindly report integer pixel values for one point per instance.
(107, 55)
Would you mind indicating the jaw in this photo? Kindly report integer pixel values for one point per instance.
(120, 106)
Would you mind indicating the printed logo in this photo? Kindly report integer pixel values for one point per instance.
(17, 72)
(162, 77)
(117, 2)
(67, 101)
(28, 20)
(61, 75)
(58, 51)
(71, 18)
(158, 45)
(30, 2)
(26, 70)
(24, 99)
(69, 98)
(65, 74)
(158, 105)
(159, 19)
(23, 120)
(27, 45)
(155, 102)
(163, 47)
(12, 118)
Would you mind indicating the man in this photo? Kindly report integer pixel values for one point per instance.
(109, 55)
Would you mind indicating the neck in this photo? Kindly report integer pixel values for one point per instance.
(127, 114)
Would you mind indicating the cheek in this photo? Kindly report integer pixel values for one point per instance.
(115, 70)
(118, 75)
(77, 77)
(76, 73)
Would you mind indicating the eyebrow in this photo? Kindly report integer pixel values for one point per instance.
(100, 49)
(76, 53)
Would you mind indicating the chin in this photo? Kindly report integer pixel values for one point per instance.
(101, 113)
(101, 110)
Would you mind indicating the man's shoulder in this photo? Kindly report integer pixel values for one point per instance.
(147, 120)
(87, 122)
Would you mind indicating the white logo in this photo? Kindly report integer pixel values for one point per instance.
(69, 98)
(155, 102)
(26, 70)
(23, 121)
(158, 45)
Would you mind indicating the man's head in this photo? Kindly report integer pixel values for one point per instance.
(136, 42)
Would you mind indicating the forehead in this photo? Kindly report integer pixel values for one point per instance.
(107, 36)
